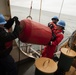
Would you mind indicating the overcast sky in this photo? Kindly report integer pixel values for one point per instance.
(69, 6)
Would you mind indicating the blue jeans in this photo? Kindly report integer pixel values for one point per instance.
(8, 66)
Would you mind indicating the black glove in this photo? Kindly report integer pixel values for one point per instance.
(16, 20)
(53, 36)
(50, 25)
(52, 39)
(17, 28)
(9, 23)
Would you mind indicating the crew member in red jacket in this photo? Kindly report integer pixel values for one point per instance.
(7, 63)
(57, 37)
(52, 24)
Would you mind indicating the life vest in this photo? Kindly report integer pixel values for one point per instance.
(52, 25)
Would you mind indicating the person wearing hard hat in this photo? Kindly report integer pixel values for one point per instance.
(55, 19)
(52, 24)
(50, 49)
(7, 63)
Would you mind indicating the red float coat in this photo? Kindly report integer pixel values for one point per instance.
(53, 24)
(50, 49)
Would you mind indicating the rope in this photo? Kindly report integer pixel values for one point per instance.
(30, 11)
(59, 18)
(40, 19)
(40, 10)
(61, 8)
(30, 8)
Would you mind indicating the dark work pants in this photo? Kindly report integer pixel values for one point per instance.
(8, 66)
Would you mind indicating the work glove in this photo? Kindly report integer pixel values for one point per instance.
(52, 39)
(50, 25)
(9, 23)
(16, 20)
(17, 28)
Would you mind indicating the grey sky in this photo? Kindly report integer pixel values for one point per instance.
(69, 6)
